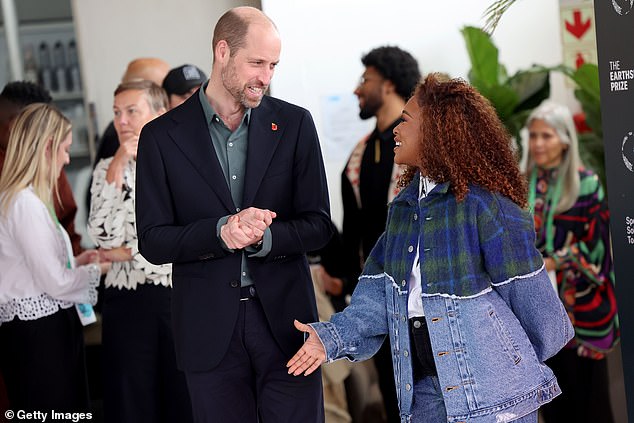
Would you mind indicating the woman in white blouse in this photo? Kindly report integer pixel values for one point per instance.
(42, 350)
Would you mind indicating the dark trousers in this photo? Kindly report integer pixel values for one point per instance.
(43, 364)
(585, 394)
(251, 384)
(141, 380)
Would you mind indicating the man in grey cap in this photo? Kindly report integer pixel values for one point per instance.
(181, 82)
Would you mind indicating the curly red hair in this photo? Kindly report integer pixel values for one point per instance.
(464, 142)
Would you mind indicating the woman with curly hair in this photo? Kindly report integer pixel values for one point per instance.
(455, 280)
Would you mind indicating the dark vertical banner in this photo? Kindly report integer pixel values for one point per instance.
(615, 45)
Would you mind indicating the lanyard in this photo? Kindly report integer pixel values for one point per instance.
(69, 248)
(552, 198)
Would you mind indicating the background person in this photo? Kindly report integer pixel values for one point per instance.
(14, 97)
(571, 221)
(42, 354)
(141, 381)
(181, 82)
(369, 180)
(457, 258)
(142, 68)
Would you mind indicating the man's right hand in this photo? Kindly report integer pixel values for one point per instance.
(246, 227)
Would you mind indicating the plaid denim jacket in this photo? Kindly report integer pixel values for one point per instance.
(493, 317)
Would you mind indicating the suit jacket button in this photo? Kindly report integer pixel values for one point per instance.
(235, 284)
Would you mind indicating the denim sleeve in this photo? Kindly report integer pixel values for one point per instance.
(358, 331)
(540, 312)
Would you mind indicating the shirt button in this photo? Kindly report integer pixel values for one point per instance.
(234, 284)
(230, 144)
(406, 354)
(410, 248)
(428, 218)
(403, 283)
(234, 177)
(415, 216)
(408, 387)
(403, 319)
(237, 209)
(426, 249)
(244, 273)
(417, 324)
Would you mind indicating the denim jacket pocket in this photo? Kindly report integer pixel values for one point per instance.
(505, 338)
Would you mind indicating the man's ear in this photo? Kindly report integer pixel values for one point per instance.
(390, 88)
(222, 51)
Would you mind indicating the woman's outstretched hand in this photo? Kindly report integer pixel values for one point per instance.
(310, 356)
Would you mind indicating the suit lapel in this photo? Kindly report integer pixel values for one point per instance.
(191, 135)
(265, 131)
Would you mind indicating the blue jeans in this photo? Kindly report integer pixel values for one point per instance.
(429, 407)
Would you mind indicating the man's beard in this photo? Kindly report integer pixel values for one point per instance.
(231, 84)
(371, 107)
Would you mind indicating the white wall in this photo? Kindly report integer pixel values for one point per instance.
(113, 32)
(323, 41)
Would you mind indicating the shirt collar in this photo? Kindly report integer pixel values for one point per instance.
(388, 134)
(210, 113)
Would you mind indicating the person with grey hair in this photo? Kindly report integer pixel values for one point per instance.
(140, 370)
(571, 221)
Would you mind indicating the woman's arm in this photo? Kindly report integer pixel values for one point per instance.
(45, 256)
(589, 254)
(109, 209)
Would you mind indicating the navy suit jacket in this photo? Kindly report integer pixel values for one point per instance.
(181, 192)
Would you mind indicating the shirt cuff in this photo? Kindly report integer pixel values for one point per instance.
(221, 222)
(263, 249)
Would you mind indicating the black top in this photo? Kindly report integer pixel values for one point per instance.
(363, 227)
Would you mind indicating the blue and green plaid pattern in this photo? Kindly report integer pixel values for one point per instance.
(464, 247)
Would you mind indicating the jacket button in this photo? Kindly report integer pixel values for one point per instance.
(406, 354)
(415, 216)
(408, 387)
(235, 284)
(410, 248)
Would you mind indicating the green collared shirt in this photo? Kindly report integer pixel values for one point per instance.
(230, 147)
(231, 150)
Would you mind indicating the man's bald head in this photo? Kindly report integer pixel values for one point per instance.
(234, 25)
(148, 68)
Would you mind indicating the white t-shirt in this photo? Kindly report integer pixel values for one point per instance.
(415, 298)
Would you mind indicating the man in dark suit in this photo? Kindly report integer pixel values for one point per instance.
(231, 188)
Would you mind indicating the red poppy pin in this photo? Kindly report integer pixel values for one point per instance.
(273, 126)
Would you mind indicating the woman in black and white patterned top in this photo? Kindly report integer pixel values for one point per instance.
(138, 349)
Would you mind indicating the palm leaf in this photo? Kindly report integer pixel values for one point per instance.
(493, 14)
